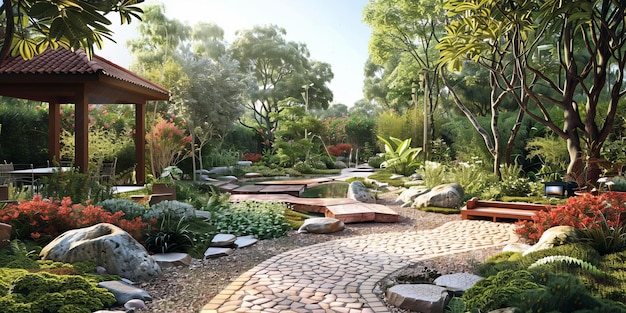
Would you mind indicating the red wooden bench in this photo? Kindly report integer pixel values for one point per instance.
(498, 210)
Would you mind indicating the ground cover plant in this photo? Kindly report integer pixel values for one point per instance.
(586, 275)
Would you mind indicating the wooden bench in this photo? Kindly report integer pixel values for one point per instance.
(498, 210)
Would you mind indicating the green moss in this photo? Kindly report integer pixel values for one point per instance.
(385, 177)
(440, 210)
(499, 291)
(295, 219)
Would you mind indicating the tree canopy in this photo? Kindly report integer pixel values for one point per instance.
(29, 27)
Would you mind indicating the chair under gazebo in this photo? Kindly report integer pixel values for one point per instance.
(62, 76)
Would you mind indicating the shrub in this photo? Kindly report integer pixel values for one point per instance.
(48, 218)
(252, 157)
(171, 234)
(176, 209)
(375, 161)
(43, 292)
(264, 220)
(399, 156)
(583, 212)
(78, 186)
(303, 167)
(131, 209)
(340, 149)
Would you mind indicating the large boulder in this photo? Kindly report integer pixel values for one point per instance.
(108, 246)
(554, 236)
(407, 196)
(321, 225)
(442, 196)
(359, 192)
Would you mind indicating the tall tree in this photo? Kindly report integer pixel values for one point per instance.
(411, 29)
(281, 69)
(586, 37)
(29, 27)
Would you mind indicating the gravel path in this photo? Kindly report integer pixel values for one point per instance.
(191, 289)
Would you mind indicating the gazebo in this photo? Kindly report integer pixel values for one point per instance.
(62, 76)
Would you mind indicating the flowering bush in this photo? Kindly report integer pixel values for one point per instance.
(48, 218)
(340, 149)
(166, 143)
(583, 212)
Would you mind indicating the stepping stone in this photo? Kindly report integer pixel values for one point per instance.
(172, 259)
(213, 252)
(458, 282)
(123, 292)
(223, 240)
(245, 241)
(203, 214)
(418, 297)
(253, 175)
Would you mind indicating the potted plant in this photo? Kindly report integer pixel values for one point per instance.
(165, 185)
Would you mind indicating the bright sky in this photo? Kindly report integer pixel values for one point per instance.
(332, 30)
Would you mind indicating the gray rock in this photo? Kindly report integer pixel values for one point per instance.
(5, 234)
(359, 192)
(321, 225)
(458, 282)
(407, 196)
(172, 259)
(245, 241)
(214, 252)
(516, 247)
(223, 240)
(100, 270)
(135, 304)
(252, 175)
(423, 298)
(220, 170)
(124, 292)
(228, 178)
(244, 163)
(396, 176)
(555, 236)
(442, 196)
(106, 245)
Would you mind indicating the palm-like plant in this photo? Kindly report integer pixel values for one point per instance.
(399, 156)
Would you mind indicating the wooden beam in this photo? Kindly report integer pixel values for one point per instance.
(81, 120)
(140, 143)
(54, 131)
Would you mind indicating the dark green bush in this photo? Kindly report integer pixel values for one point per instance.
(264, 220)
(24, 138)
(78, 186)
(499, 291)
(176, 209)
(171, 234)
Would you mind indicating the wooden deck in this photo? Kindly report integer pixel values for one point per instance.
(500, 211)
(343, 209)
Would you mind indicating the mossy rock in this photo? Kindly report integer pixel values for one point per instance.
(439, 210)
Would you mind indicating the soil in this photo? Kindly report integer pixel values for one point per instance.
(187, 290)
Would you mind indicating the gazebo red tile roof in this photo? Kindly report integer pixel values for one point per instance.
(63, 76)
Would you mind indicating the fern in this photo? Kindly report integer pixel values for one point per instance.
(572, 261)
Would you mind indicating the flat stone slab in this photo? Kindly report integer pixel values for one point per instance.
(215, 252)
(124, 292)
(458, 282)
(245, 241)
(223, 240)
(418, 297)
(172, 259)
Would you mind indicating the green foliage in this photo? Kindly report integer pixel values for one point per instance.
(568, 260)
(23, 134)
(399, 156)
(433, 174)
(499, 291)
(130, 208)
(375, 161)
(295, 219)
(176, 209)
(456, 305)
(552, 153)
(264, 220)
(221, 157)
(171, 234)
(604, 238)
(618, 184)
(78, 186)
(19, 255)
(303, 167)
(440, 210)
(44, 292)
